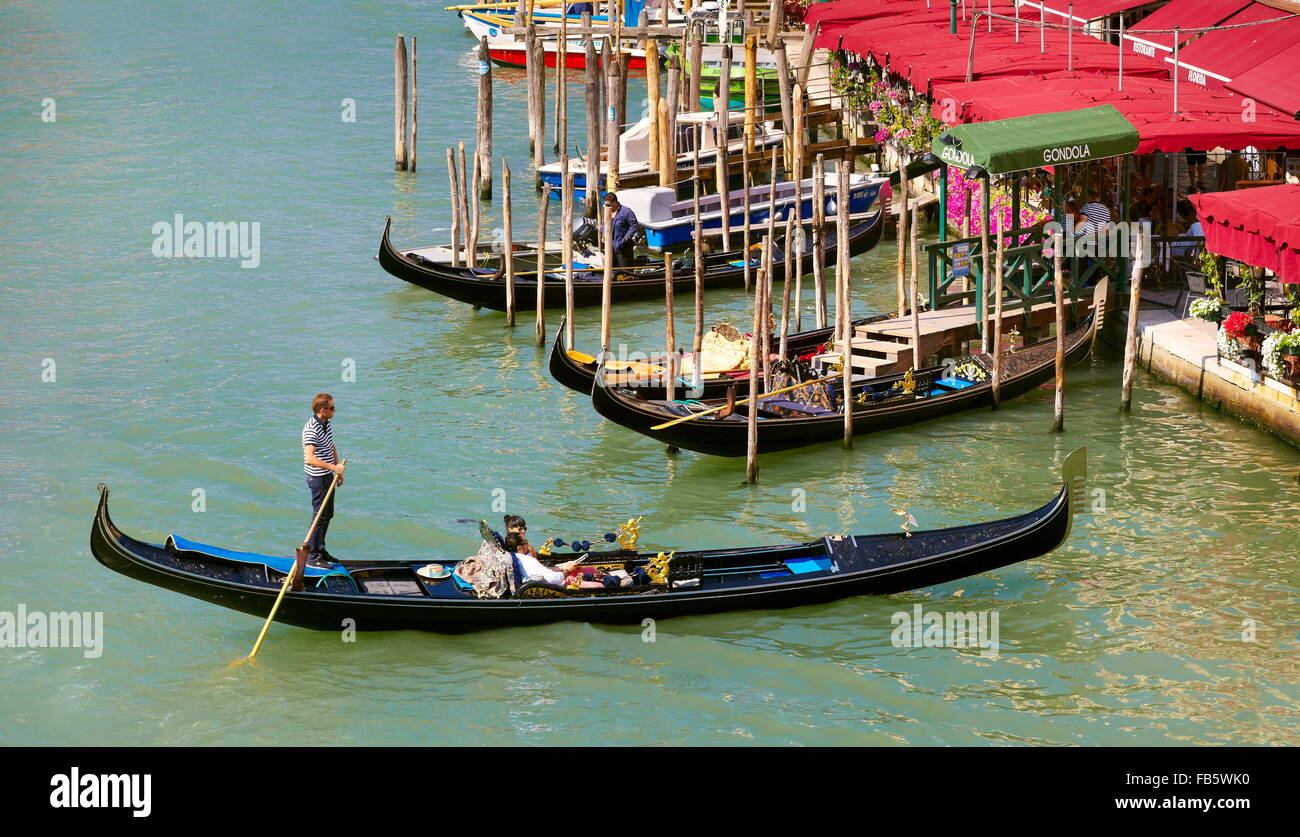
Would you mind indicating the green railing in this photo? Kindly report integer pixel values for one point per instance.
(1027, 272)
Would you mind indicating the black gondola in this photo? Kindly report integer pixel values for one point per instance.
(885, 402)
(485, 286)
(577, 370)
(389, 595)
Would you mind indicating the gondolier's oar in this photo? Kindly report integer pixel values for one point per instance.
(299, 561)
(723, 406)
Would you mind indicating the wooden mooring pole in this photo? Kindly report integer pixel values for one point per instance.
(453, 182)
(649, 46)
(912, 227)
(745, 185)
(415, 105)
(903, 216)
(1058, 280)
(613, 127)
(591, 163)
(984, 272)
(698, 343)
(787, 282)
(476, 219)
(697, 57)
(844, 293)
(751, 88)
(463, 187)
(508, 254)
(1130, 337)
(483, 151)
(670, 332)
(566, 246)
(997, 319)
(541, 266)
(819, 240)
(561, 87)
(607, 279)
(399, 104)
(755, 346)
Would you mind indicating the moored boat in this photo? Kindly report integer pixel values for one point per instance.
(634, 149)
(485, 286)
(668, 221)
(878, 403)
(576, 370)
(400, 593)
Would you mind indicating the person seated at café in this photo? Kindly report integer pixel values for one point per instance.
(1187, 213)
(1097, 215)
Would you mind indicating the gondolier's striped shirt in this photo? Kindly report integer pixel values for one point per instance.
(318, 433)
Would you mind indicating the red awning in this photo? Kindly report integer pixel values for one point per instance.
(1084, 10)
(1261, 82)
(1185, 14)
(920, 48)
(1206, 119)
(1220, 56)
(1257, 226)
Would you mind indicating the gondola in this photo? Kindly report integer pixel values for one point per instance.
(878, 404)
(577, 370)
(391, 595)
(485, 287)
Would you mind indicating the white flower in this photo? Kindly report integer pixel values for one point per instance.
(1208, 308)
(1229, 348)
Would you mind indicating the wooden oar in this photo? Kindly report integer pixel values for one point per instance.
(723, 406)
(299, 562)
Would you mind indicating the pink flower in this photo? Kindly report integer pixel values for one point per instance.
(882, 135)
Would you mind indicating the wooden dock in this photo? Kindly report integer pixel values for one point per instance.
(885, 347)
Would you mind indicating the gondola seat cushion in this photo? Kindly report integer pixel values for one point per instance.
(784, 408)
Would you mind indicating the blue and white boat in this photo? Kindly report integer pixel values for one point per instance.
(634, 149)
(668, 221)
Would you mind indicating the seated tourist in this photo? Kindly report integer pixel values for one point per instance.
(515, 524)
(531, 569)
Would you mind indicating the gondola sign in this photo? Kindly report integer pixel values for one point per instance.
(961, 260)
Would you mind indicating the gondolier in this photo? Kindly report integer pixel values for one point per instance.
(624, 227)
(320, 462)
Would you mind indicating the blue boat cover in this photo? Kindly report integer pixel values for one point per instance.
(275, 562)
(808, 565)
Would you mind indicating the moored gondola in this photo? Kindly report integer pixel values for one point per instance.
(878, 404)
(391, 595)
(577, 370)
(485, 287)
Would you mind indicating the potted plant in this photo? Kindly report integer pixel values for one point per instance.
(1241, 327)
(1281, 351)
(1209, 308)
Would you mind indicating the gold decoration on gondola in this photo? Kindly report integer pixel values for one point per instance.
(545, 549)
(1011, 337)
(628, 533)
(657, 569)
(908, 520)
(538, 591)
(906, 386)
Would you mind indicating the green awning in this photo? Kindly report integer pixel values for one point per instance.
(1044, 139)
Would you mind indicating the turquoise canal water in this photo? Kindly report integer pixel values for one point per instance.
(172, 375)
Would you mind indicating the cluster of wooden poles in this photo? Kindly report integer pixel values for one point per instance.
(683, 95)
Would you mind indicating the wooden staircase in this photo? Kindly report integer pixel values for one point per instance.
(885, 347)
